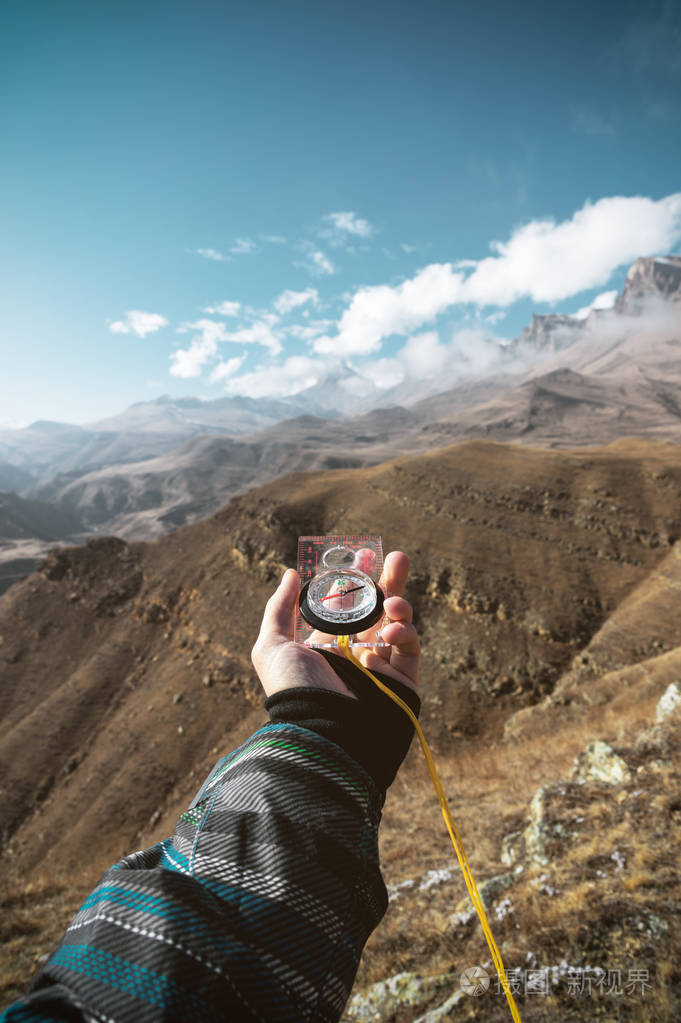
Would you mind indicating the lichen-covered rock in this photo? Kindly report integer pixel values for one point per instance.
(386, 997)
(599, 762)
(670, 702)
(538, 831)
(442, 1013)
(491, 889)
(512, 848)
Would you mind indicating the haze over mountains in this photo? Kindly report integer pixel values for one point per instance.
(565, 381)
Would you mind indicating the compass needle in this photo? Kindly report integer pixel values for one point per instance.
(342, 593)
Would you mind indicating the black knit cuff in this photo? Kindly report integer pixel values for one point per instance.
(371, 729)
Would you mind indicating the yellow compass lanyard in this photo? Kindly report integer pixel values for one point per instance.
(344, 645)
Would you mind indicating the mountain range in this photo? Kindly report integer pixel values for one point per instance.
(565, 381)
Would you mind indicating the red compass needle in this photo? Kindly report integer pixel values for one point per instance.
(341, 593)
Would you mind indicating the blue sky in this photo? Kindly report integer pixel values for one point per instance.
(215, 198)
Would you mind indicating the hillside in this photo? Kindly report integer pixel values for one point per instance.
(541, 585)
(21, 519)
(28, 528)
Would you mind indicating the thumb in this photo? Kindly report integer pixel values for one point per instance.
(278, 621)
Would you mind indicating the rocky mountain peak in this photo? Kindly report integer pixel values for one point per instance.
(650, 276)
(551, 332)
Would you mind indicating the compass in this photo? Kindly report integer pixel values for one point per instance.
(341, 601)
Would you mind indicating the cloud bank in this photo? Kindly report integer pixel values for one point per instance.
(542, 260)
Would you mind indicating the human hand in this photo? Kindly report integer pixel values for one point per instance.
(283, 664)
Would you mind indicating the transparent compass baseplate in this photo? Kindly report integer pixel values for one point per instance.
(339, 576)
(326, 642)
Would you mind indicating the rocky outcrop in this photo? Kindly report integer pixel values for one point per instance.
(550, 333)
(599, 762)
(404, 990)
(647, 278)
(670, 702)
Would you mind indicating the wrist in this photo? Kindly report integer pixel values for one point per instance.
(353, 723)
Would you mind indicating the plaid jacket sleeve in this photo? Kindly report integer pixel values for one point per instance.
(257, 908)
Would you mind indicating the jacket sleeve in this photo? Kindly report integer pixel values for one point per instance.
(257, 908)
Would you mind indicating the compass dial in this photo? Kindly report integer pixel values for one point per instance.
(341, 601)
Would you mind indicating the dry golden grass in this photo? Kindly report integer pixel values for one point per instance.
(33, 917)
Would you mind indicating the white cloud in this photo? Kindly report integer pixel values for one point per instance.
(542, 260)
(14, 424)
(210, 330)
(188, 362)
(289, 300)
(223, 370)
(549, 262)
(242, 246)
(343, 230)
(259, 333)
(379, 311)
(139, 323)
(316, 262)
(293, 375)
(349, 223)
(224, 309)
(273, 239)
(472, 352)
(424, 357)
(384, 373)
(211, 254)
(309, 330)
(605, 300)
(322, 263)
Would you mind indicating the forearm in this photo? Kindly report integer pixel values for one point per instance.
(257, 908)
(260, 904)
